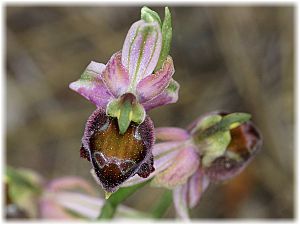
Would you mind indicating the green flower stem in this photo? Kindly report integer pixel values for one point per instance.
(160, 209)
(111, 204)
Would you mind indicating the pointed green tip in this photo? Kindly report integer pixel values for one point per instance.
(234, 120)
(167, 12)
(107, 195)
(123, 125)
(240, 117)
(149, 15)
(145, 9)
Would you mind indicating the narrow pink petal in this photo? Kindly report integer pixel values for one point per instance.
(154, 84)
(171, 134)
(115, 76)
(197, 185)
(180, 201)
(91, 86)
(169, 95)
(164, 156)
(141, 49)
(185, 164)
(161, 149)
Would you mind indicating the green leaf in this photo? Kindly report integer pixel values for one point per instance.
(109, 209)
(149, 15)
(166, 38)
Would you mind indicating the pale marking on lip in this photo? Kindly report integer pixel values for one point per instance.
(103, 161)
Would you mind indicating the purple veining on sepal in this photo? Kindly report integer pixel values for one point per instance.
(141, 50)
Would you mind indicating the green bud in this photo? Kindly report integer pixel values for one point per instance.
(213, 134)
(149, 15)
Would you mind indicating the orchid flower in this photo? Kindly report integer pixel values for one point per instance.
(215, 147)
(118, 136)
(137, 78)
(73, 198)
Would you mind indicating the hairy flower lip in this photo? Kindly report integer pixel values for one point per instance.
(109, 171)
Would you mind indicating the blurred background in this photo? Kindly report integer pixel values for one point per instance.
(226, 57)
